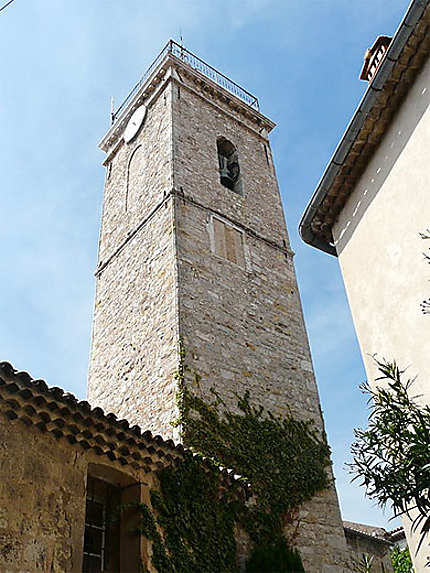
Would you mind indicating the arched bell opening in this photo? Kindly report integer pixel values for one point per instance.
(229, 169)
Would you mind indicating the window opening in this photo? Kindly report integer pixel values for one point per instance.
(101, 538)
(229, 169)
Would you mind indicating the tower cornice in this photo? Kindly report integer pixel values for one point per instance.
(169, 66)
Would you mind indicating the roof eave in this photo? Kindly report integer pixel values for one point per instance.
(412, 16)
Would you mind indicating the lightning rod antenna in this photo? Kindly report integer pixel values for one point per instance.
(112, 106)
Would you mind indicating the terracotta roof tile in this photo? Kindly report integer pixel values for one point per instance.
(378, 534)
(52, 410)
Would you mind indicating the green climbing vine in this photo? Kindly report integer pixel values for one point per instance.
(197, 518)
(284, 459)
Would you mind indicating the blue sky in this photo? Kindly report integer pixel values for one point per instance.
(61, 63)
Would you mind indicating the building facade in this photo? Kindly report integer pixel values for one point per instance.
(375, 543)
(372, 205)
(64, 469)
(195, 279)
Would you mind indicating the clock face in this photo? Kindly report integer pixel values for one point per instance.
(135, 123)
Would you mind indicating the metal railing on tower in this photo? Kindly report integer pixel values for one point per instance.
(177, 50)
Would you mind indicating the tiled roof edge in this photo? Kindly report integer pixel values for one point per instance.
(326, 203)
(53, 410)
(353, 531)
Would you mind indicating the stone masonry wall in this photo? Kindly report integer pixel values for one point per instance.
(43, 483)
(359, 545)
(198, 120)
(137, 176)
(134, 350)
(43, 490)
(42, 502)
(243, 328)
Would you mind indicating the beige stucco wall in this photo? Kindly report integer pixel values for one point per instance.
(380, 250)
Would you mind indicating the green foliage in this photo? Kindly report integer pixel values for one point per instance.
(197, 518)
(276, 557)
(365, 564)
(392, 457)
(284, 460)
(402, 562)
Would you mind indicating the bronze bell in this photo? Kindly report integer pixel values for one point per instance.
(225, 172)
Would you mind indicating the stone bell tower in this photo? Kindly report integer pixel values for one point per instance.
(194, 248)
(194, 254)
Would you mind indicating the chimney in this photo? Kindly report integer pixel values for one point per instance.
(373, 57)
